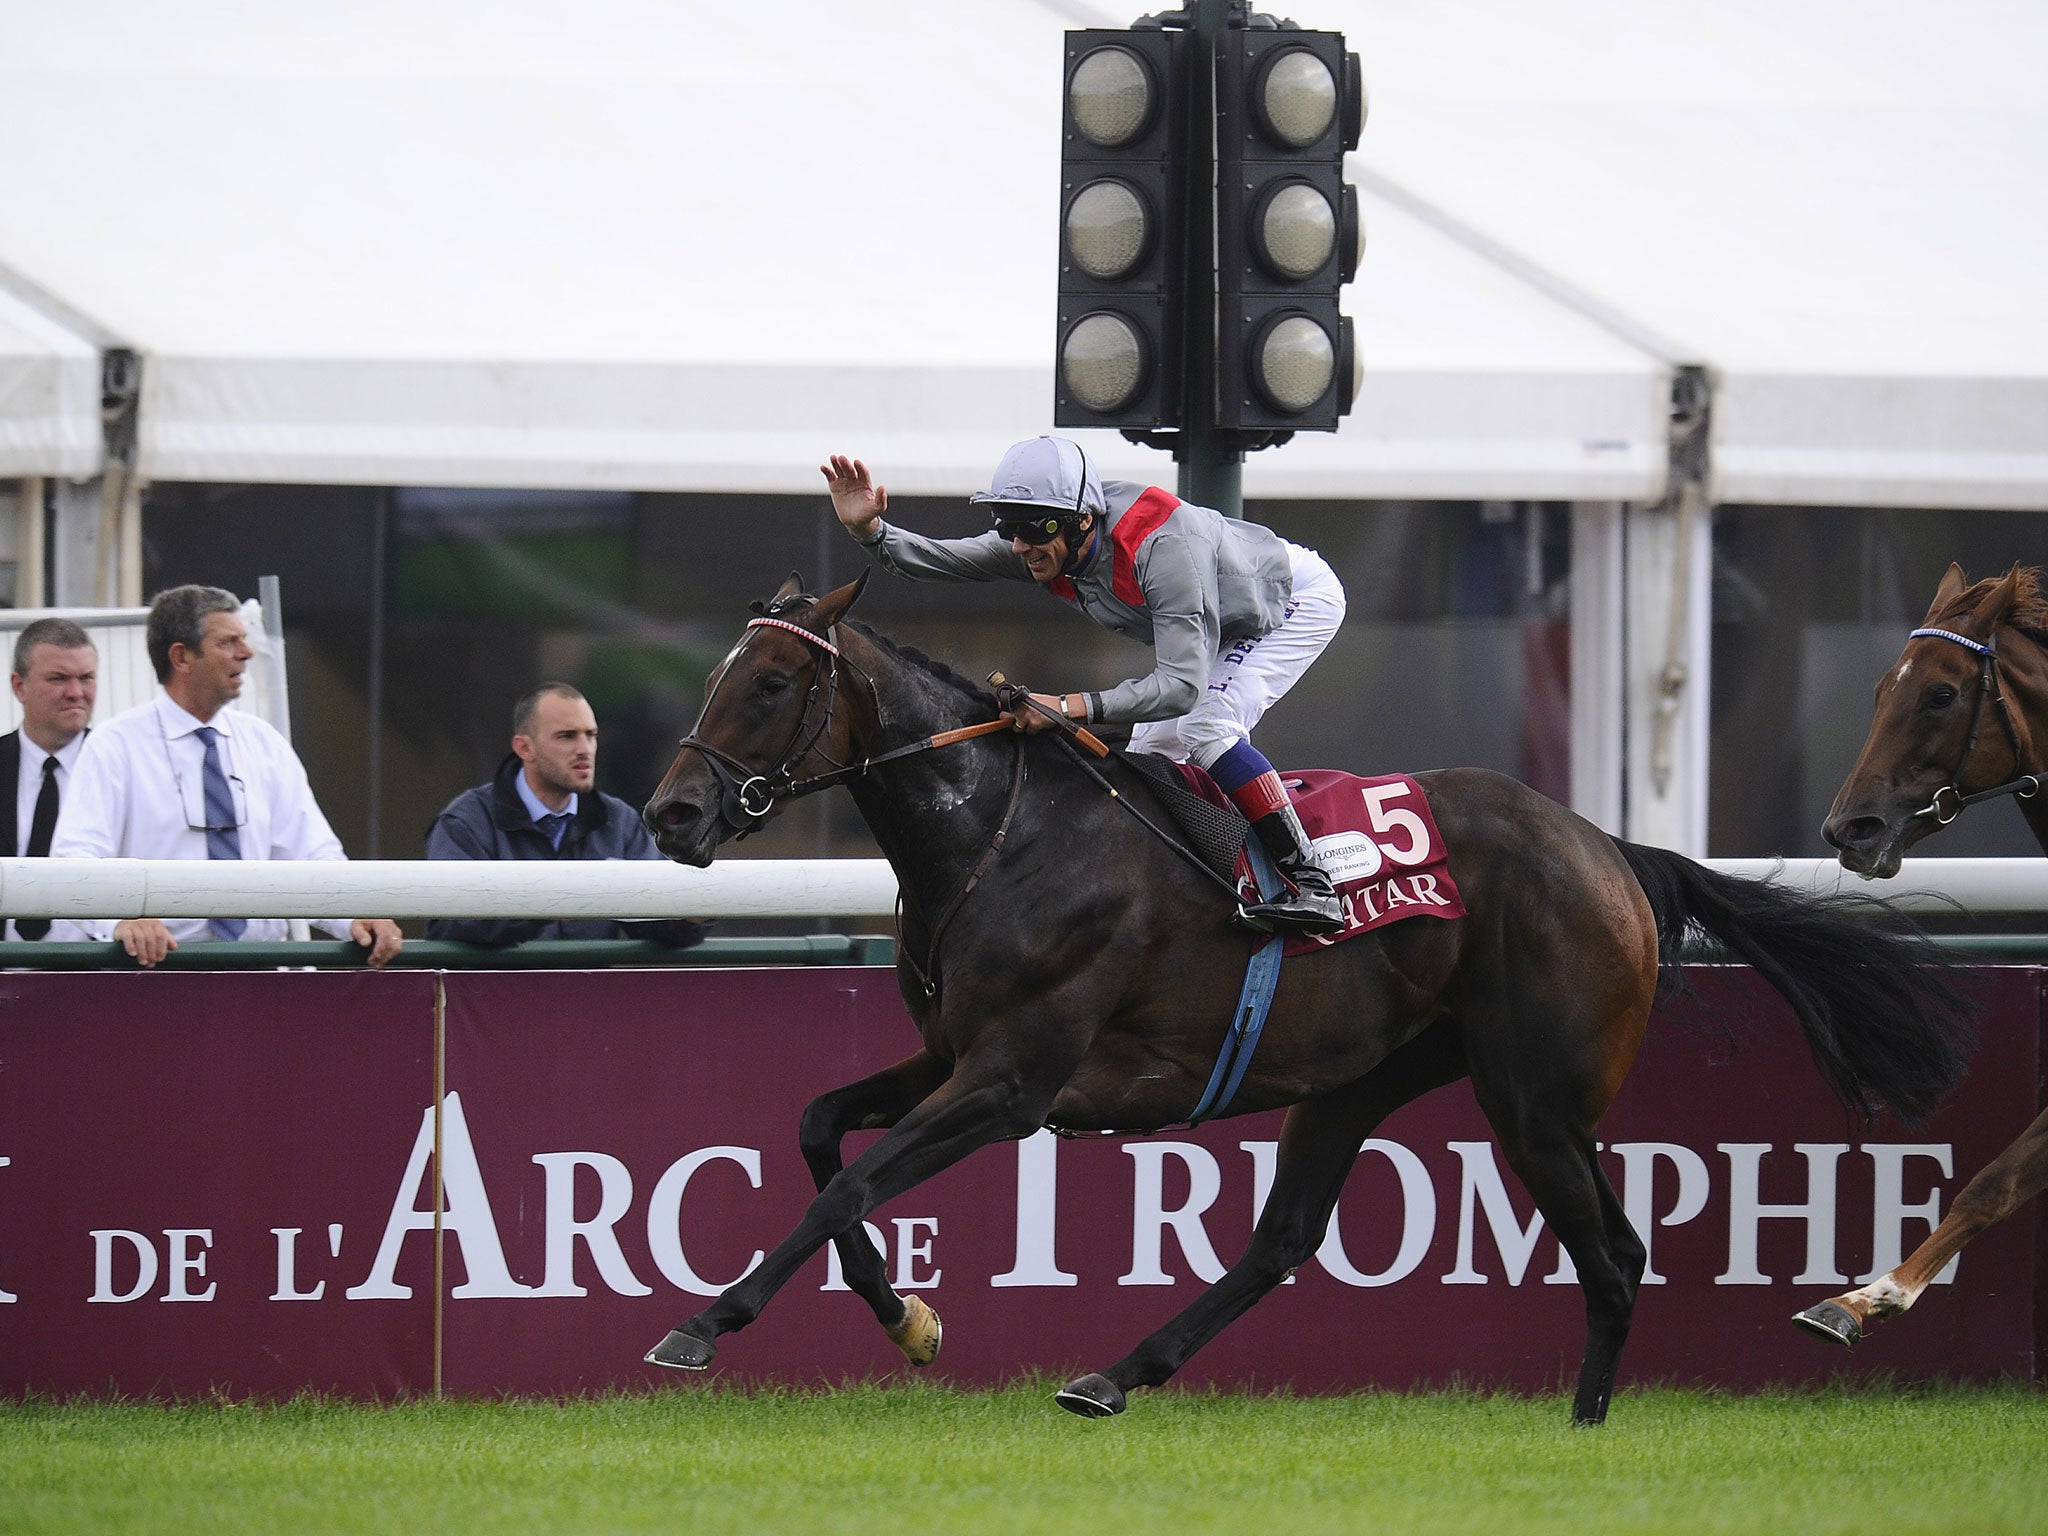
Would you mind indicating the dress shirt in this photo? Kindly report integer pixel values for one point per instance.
(544, 816)
(28, 787)
(138, 792)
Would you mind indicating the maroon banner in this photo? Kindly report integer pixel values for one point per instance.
(191, 1182)
(617, 1146)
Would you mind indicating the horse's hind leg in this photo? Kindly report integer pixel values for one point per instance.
(874, 1103)
(2007, 1182)
(1318, 1146)
(1557, 1165)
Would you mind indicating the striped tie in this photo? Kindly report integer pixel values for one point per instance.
(223, 838)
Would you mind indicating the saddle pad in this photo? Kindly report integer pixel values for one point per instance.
(1375, 837)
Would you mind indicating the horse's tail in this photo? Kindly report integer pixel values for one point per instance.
(1876, 998)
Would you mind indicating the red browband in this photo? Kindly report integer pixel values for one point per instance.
(795, 629)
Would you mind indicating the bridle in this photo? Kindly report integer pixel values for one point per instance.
(747, 795)
(2027, 785)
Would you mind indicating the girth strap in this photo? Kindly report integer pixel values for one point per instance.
(1248, 1022)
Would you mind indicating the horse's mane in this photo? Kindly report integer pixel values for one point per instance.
(929, 665)
(2029, 611)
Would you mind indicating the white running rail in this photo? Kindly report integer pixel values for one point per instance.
(733, 888)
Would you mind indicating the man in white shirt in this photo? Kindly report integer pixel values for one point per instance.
(184, 777)
(56, 679)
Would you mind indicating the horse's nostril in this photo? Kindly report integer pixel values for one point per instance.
(1856, 832)
(675, 814)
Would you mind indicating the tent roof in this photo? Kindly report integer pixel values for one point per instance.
(1835, 204)
(625, 245)
(49, 396)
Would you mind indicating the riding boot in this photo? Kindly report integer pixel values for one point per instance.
(1311, 907)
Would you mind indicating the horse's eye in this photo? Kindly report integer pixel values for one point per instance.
(1940, 696)
(771, 687)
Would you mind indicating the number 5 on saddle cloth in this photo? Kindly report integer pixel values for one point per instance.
(1376, 838)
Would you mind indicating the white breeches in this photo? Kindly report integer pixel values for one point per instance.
(1250, 674)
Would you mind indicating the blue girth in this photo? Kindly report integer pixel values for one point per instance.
(1260, 979)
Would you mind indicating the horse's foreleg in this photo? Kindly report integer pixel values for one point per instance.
(874, 1103)
(1318, 1146)
(2007, 1182)
(978, 1105)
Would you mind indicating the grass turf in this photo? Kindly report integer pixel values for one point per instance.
(922, 1458)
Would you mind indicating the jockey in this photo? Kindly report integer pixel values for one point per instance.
(1234, 614)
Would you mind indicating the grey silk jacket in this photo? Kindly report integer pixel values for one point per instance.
(1181, 578)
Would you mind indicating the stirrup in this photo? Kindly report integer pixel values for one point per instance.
(1298, 913)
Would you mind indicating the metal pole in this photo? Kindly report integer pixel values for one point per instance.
(380, 520)
(1211, 473)
(31, 549)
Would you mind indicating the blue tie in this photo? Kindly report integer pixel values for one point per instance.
(223, 841)
(555, 826)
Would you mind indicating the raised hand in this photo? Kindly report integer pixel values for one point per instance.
(857, 501)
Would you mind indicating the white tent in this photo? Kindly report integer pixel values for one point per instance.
(633, 246)
(624, 244)
(49, 396)
(1835, 206)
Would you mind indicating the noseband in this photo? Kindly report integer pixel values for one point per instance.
(2027, 784)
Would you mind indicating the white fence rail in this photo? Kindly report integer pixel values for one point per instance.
(416, 888)
(735, 888)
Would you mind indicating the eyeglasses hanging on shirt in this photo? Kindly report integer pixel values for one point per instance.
(192, 796)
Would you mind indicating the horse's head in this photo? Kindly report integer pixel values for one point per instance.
(777, 709)
(1934, 728)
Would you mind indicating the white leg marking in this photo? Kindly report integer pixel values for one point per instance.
(1885, 1297)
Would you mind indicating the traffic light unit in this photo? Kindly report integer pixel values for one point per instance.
(1123, 229)
(1145, 210)
(1288, 105)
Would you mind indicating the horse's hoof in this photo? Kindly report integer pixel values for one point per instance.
(1092, 1397)
(919, 1334)
(681, 1351)
(1832, 1321)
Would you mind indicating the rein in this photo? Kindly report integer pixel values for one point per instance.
(747, 797)
(2027, 785)
(1066, 739)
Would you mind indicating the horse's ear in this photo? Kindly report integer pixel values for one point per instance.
(831, 608)
(1953, 582)
(1998, 601)
(790, 588)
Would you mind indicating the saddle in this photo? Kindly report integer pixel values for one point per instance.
(1374, 836)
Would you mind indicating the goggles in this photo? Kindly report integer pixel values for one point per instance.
(1042, 529)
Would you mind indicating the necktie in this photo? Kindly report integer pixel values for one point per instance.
(39, 833)
(554, 826)
(223, 840)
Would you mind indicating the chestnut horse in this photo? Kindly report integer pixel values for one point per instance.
(1961, 718)
(1065, 968)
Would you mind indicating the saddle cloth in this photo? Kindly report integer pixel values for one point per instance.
(1374, 836)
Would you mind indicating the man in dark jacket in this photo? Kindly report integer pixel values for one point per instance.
(544, 804)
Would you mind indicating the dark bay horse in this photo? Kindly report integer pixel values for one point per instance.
(1063, 967)
(1963, 715)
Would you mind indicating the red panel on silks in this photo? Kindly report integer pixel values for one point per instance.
(619, 1144)
(669, 1103)
(197, 1169)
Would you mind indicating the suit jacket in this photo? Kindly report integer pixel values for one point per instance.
(11, 836)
